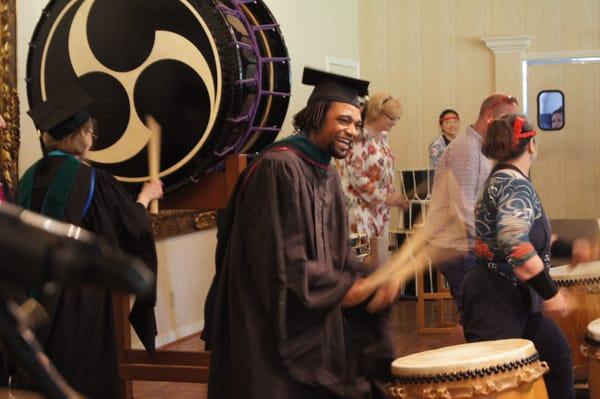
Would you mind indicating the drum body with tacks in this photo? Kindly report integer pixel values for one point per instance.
(582, 283)
(591, 350)
(502, 369)
(215, 75)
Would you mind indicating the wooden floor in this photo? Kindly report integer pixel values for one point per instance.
(406, 341)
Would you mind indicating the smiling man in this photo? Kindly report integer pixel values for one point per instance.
(284, 316)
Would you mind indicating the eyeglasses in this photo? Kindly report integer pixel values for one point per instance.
(392, 119)
(91, 132)
(503, 100)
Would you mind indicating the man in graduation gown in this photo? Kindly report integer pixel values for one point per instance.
(285, 317)
(80, 338)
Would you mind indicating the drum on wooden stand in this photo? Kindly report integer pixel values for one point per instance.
(591, 351)
(502, 369)
(215, 74)
(582, 283)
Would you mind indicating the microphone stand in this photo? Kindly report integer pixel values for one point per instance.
(21, 345)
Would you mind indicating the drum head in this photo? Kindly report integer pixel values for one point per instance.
(214, 74)
(465, 357)
(582, 274)
(593, 332)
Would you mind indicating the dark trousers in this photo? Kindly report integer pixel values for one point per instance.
(495, 308)
(454, 265)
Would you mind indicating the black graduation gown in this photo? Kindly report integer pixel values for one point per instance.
(80, 338)
(275, 325)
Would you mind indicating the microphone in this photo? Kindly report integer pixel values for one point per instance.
(35, 249)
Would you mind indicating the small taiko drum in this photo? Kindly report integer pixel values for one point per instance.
(502, 369)
(591, 350)
(583, 285)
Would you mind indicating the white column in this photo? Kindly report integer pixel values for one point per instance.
(508, 51)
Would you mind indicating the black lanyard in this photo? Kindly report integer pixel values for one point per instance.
(509, 166)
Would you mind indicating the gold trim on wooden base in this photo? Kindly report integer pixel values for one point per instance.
(174, 222)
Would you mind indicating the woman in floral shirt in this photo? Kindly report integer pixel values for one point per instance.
(505, 293)
(368, 172)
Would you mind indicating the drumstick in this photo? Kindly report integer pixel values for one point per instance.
(411, 260)
(414, 252)
(153, 156)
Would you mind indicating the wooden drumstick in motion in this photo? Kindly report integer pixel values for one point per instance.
(414, 255)
(153, 156)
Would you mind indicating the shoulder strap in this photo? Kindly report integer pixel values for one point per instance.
(88, 202)
(508, 166)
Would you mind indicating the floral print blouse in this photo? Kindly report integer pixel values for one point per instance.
(367, 175)
(510, 224)
(436, 149)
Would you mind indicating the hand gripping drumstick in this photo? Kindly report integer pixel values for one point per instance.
(153, 155)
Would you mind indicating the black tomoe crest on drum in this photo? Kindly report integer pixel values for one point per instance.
(214, 74)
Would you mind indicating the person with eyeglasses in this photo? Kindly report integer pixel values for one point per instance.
(459, 177)
(449, 125)
(368, 173)
(509, 287)
(80, 335)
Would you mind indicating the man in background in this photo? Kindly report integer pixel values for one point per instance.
(459, 177)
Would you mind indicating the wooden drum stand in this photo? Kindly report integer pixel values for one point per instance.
(168, 365)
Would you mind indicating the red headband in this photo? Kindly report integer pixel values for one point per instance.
(518, 134)
(449, 116)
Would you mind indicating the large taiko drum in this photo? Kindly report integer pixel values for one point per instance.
(215, 74)
(591, 350)
(583, 285)
(503, 369)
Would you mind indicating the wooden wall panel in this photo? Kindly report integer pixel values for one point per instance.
(430, 54)
(567, 174)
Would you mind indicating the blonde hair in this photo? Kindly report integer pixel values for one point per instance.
(74, 143)
(382, 102)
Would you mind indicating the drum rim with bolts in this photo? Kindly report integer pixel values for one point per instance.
(581, 275)
(516, 362)
(519, 349)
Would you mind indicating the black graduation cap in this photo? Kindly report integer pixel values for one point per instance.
(334, 87)
(62, 113)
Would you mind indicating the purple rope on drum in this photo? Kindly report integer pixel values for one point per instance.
(236, 11)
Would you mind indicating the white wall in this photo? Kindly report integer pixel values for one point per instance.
(313, 30)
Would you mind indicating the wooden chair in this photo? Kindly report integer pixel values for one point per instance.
(417, 185)
(441, 295)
